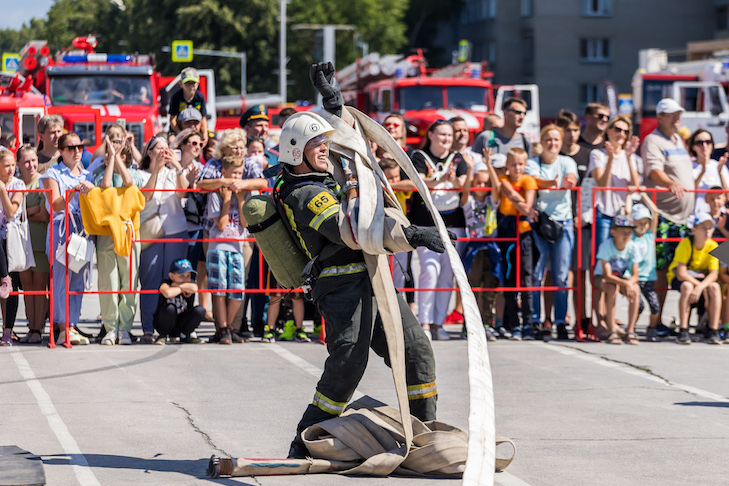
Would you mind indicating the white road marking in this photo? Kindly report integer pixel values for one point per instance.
(635, 372)
(304, 365)
(77, 460)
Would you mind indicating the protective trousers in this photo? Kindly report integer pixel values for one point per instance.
(353, 325)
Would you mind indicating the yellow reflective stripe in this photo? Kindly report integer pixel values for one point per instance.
(290, 216)
(425, 390)
(320, 218)
(343, 270)
(328, 405)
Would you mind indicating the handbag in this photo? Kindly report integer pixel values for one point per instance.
(445, 200)
(19, 248)
(151, 229)
(80, 249)
(548, 229)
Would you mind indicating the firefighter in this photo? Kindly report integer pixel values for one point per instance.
(339, 282)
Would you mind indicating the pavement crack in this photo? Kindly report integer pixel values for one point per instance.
(208, 440)
(674, 386)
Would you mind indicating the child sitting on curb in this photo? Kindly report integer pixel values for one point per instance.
(615, 258)
(694, 272)
(176, 312)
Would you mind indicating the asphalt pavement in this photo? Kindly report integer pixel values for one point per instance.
(582, 414)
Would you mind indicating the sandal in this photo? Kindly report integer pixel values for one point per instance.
(148, 338)
(613, 338)
(33, 337)
(630, 338)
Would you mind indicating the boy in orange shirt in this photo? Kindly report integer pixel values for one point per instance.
(515, 192)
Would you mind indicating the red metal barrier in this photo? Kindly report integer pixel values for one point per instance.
(653, 192)
(49, 292)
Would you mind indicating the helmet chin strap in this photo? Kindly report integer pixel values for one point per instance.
(311, 168)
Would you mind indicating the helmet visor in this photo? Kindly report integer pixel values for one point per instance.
(316, 141)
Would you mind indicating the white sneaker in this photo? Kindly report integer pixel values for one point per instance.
(109, 339)
(442, 334)
(125, 338)
(73, 336)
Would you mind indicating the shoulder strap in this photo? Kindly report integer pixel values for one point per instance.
(691, 256)
(525, 141)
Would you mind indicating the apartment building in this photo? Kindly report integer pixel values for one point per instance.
(570, 48)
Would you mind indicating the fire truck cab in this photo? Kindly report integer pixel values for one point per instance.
(21, 106)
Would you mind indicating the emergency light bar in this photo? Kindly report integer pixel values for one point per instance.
(108, 58)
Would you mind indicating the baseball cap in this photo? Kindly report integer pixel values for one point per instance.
(702, 217)
(189, 74)
(668, 105)
(189, 113)
(182, 265)
(498, 161)
(255, 112)
(621, 221)
(640, 212)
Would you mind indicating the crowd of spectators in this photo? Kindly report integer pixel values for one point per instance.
(502, 186)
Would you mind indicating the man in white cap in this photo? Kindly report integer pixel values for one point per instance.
(668, 166)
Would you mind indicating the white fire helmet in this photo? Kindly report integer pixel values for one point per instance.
(298, 129)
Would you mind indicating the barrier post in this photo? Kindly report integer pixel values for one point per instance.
(579, 333)
(52, 337)
(67, 343)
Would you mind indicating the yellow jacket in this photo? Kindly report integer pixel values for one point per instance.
(113, 211)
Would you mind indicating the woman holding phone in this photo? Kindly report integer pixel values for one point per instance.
(162, 171)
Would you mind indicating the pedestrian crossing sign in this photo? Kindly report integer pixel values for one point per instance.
(11, 62)
(182, 51)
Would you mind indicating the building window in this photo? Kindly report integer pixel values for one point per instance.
(595, 50)
(527, 8)
(722, 18)
(527, 53)
(589, 93)
(492, 9)
(596, 8)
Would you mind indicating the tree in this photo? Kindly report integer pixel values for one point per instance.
(379, 24)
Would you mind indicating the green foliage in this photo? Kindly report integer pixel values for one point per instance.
(250, 26)
(378, 23)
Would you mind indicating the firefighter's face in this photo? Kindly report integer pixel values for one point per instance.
(317, 155)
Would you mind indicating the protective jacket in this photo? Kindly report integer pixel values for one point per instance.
(344, 296)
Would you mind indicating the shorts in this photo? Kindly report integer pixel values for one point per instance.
(226, 272)
(648, 289)
(701, 304)
(665, 251)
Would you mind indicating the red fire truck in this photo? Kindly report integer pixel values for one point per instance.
(380, 85)
(94, 90)
(21, 106)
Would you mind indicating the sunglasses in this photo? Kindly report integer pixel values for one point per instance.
(517, 112)
(703, 142)
(621, 130)
(73, 148)
(195, 144)
(602, 116)
(392, 125)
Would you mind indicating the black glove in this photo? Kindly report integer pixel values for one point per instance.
(427, 237)
(322, 77)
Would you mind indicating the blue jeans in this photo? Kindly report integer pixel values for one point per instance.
(560, 255)
(602, 228)
(154, 266)
(76, 281)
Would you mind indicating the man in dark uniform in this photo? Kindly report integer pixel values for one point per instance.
(341, 286)
(255, 123)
